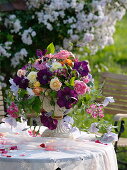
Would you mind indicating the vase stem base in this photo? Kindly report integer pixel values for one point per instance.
(60, 132)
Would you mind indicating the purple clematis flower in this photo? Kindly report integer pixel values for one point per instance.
(48, 121)
(109, 137)
(44, 76)
(67, 97)
(21, 81)
(40, 53)
(39, 65)
(25, 67)
(82, 67)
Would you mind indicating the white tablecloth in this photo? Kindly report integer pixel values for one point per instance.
(67, 154)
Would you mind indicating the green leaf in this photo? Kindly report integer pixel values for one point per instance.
(90, 84)
(53, 94)
(10, 37)
(67, 84)
(72, 81)
(52, 102)
(22, 93)
(30, 101)
(36, 106)
(50, 48)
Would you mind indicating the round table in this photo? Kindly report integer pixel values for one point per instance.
(23, 152)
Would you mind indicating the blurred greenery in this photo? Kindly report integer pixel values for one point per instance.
(122, 157)
(112, 59)
(4, 1)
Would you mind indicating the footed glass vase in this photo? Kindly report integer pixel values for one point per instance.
(60, 132)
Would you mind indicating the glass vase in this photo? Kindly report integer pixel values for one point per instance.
(60, 132)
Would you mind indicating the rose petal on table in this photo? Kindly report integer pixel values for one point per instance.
(22, 155)
(13, 148)
(1, 135)
(50, 148)
(97, 141)
(42, 145)
(6, 155)
(4, 151)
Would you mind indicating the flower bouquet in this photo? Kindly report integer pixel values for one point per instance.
(48, 87)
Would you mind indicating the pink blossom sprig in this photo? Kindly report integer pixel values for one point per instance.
(13, 110)
(95, 111)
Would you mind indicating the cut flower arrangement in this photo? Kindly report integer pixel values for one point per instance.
(49, 86)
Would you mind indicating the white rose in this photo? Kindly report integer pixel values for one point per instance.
(55, 84)
(32, 76)
(56, 65)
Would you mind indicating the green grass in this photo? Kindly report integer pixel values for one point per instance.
(122, 156)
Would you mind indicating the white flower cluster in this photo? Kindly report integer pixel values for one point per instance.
(2, 84)
(78, 22)
(18, 56)
(34, 3)
(94, 29)
(27, 36)
(13, 23)
(124, 3)
(3, 49)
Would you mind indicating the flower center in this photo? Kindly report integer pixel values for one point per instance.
(55, 84)
(23, 80)
(67, 97)
(81, 68)
(44, 77)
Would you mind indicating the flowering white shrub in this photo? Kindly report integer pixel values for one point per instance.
(18, 57)
(26, 36)
(69, 24)
(3, 49)
(13, 23)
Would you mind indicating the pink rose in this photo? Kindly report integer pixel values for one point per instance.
(63, 54)
(49, 56)
(80, 87)
(76, 60)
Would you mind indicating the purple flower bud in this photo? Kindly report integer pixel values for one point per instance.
(39, 53)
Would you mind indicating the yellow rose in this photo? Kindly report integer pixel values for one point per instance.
(37, 84)
(55, 84)
(32, 76)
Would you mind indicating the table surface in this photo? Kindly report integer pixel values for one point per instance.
(81, 153)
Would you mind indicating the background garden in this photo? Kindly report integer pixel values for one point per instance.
(21, 35)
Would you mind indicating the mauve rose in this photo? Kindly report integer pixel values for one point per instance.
(86, 80)
(80, 87)
(63, 54)
(49, 56)
(21, 72)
